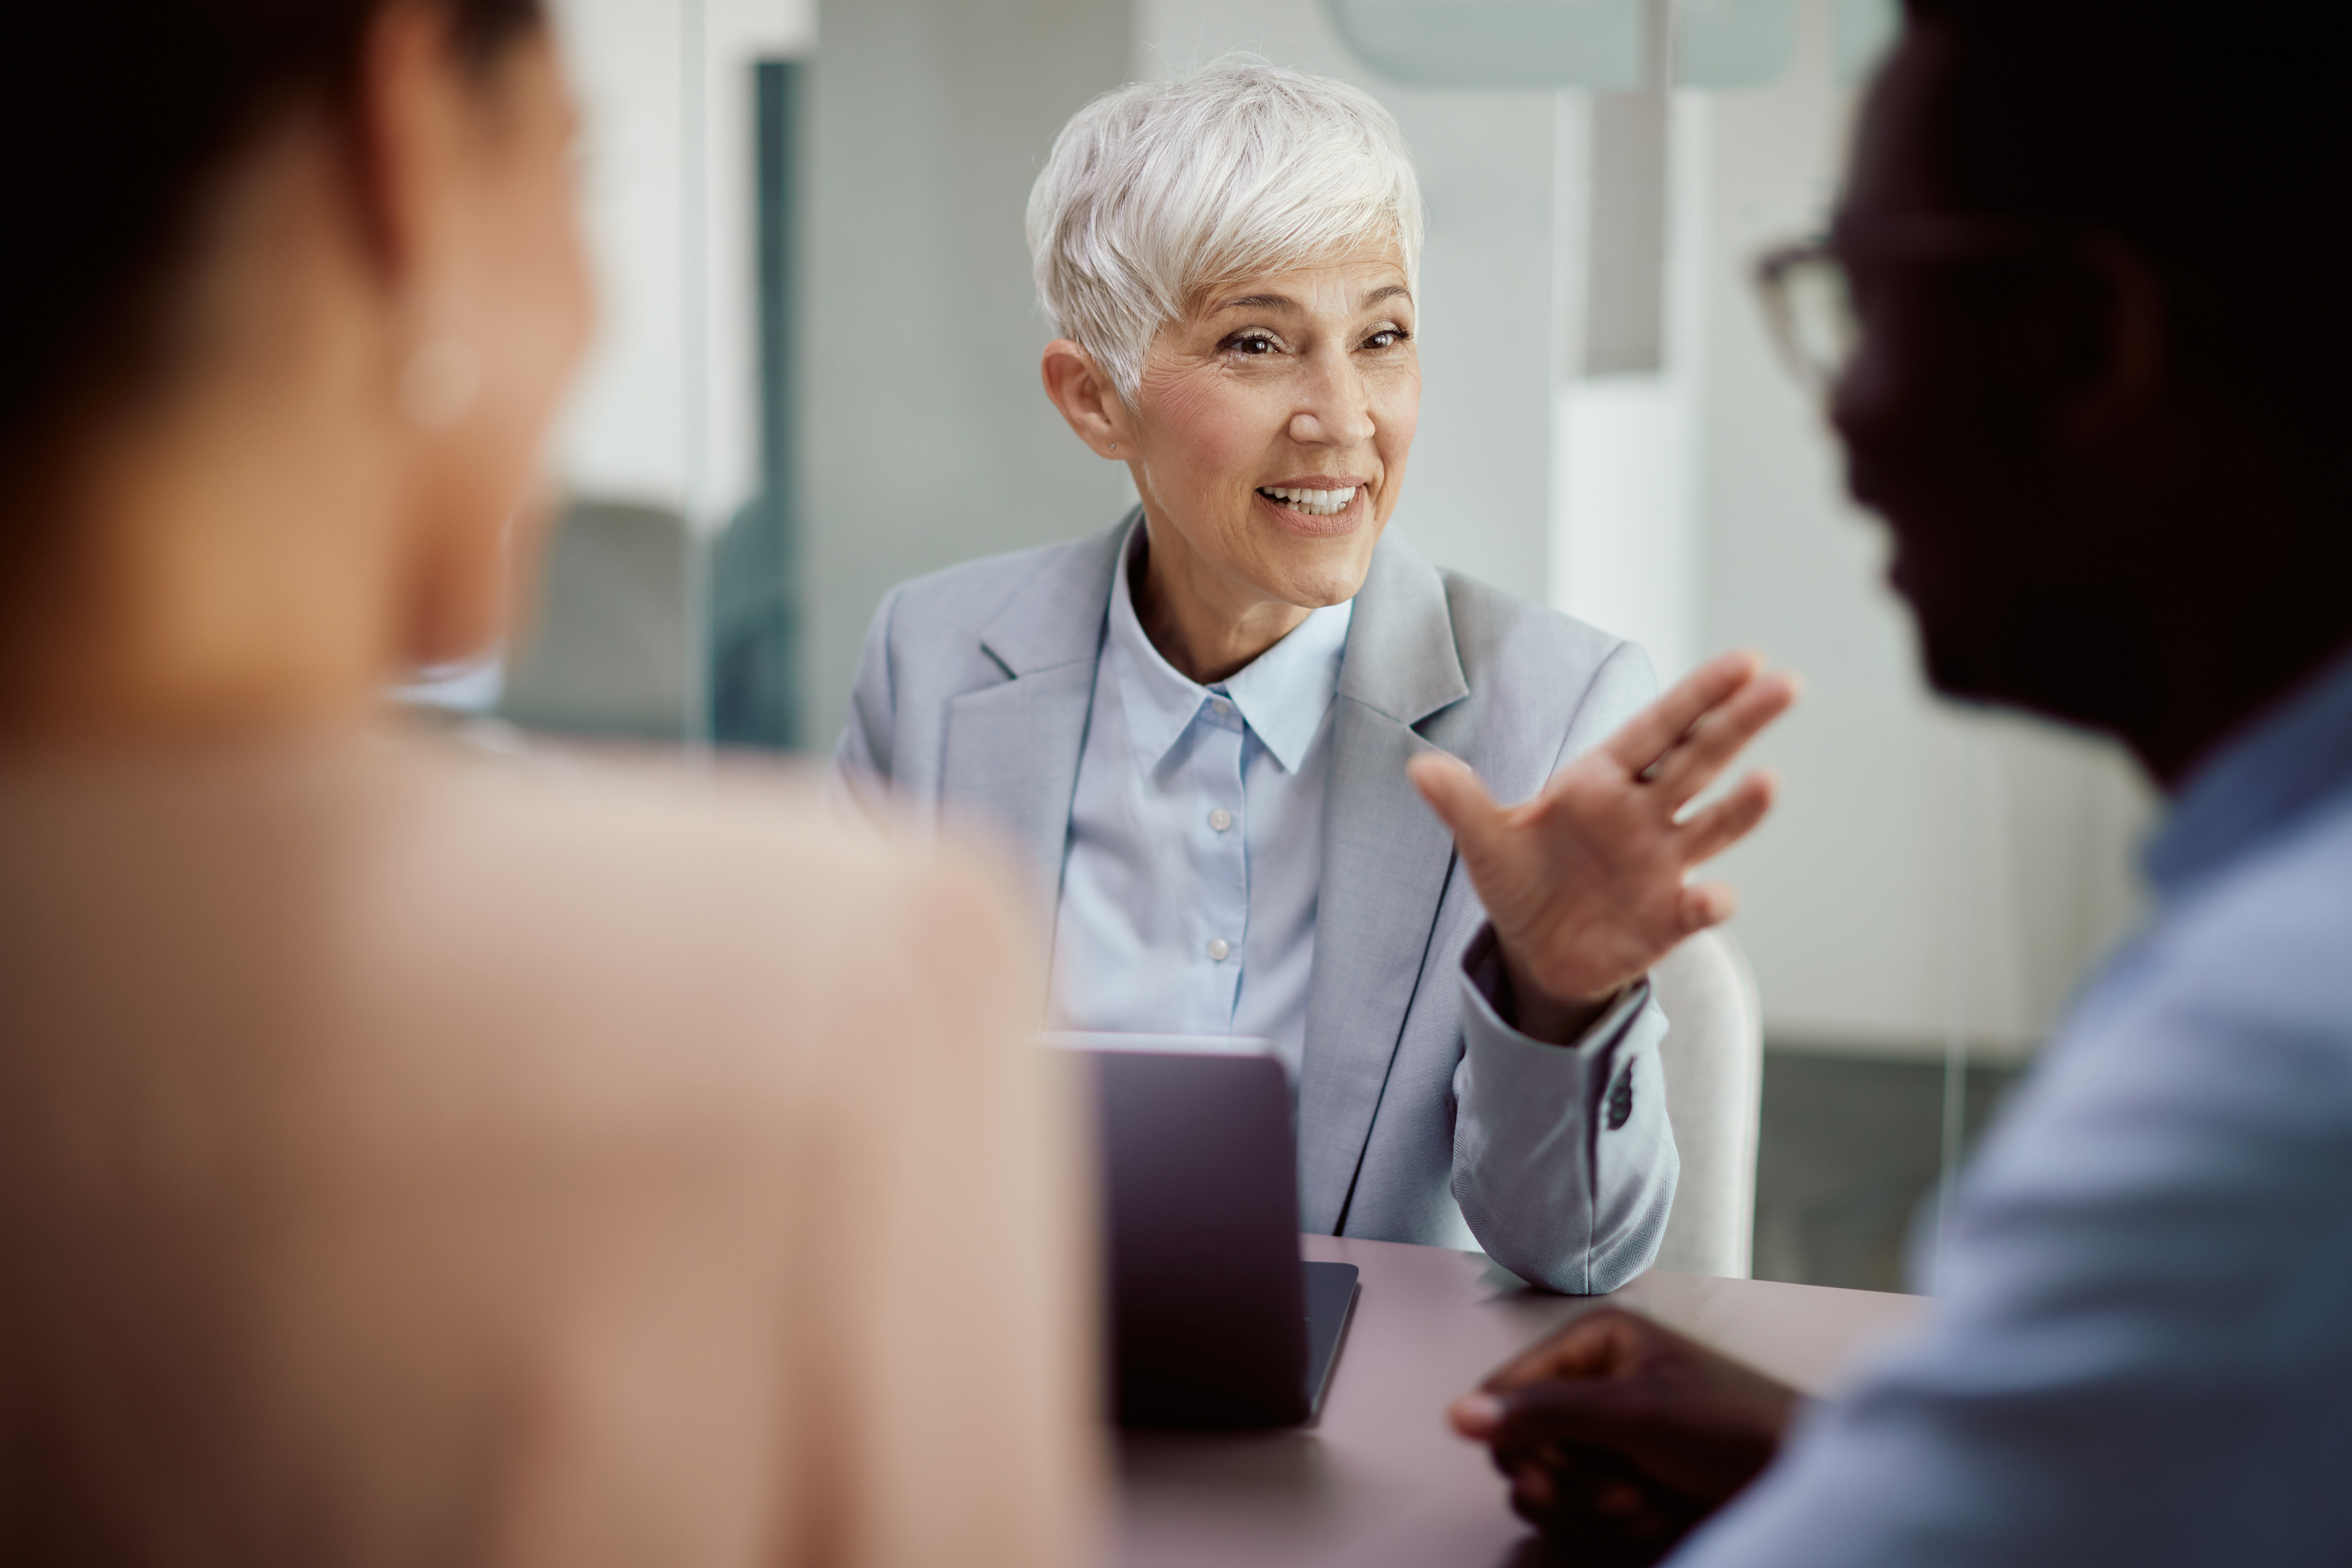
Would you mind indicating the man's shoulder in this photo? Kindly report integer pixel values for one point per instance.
(2217, 1048)
(2269, 937)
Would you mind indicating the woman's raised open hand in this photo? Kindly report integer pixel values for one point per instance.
(1587, 884)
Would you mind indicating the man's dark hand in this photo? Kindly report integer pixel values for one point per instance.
(1619, 1435)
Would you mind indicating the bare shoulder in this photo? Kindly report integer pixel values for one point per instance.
(692, 929)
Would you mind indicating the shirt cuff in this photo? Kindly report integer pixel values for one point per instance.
(1483, 981)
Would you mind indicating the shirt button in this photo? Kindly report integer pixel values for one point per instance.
(1220, 819)
(1217, 949)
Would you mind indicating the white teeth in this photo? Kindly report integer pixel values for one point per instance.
(1313, 504)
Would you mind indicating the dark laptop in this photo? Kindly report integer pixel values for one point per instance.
(1214, 1321)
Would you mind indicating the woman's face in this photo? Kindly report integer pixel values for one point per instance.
(1271, 429)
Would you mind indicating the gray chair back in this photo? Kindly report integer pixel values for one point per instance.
(609, 649)
(1714, 1057)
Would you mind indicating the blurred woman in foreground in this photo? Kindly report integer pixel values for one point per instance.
(403, 1161)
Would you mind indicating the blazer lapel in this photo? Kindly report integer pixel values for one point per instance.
(1386, 862)
(1012, 749)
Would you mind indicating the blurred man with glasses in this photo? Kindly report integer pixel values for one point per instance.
(2085, 326)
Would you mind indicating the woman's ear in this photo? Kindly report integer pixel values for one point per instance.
(411, 135)
(1078, 387)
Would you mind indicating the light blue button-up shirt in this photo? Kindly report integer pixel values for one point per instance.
(2142, 1352)
(1196, 837)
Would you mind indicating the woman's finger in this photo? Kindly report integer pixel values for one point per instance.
(1705, 904)
(1710, 832)
(1461, 802)
(1709, 746)
(1648, 735)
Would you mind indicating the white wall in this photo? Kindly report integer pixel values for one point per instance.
(666, 410)
(1625, 528)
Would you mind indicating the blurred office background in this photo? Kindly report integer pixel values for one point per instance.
(817, 376)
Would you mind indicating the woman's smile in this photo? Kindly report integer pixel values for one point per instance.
(1318, 507)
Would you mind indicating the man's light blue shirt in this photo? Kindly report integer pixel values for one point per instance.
(2142, 1351)
(1196, 837)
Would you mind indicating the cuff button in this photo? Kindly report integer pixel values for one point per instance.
(1621, 1098)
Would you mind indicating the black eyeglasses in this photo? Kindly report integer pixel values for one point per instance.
(1808, 294)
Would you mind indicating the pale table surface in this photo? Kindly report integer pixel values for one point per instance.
(1381, 1481)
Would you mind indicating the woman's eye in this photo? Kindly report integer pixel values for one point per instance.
(1253, 344)
(1387, 338)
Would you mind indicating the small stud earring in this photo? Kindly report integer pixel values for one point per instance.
(1114, 446)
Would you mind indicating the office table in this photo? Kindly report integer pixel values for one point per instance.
(1381, 1481)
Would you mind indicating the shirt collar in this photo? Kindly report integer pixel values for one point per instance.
(1282, 694)
(2259, 784)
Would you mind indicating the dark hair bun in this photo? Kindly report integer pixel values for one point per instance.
(115, 120)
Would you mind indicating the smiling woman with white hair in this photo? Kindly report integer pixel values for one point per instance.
(1201, 725)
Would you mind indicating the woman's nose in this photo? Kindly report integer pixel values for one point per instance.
(1336, 411)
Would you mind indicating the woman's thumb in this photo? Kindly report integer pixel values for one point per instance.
(1453, 792)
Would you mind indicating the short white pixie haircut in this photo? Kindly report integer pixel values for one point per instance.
(1158, 191)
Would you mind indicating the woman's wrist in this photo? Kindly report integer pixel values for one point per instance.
(1537, 1014)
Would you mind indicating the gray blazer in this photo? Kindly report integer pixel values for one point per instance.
(1421, 1117)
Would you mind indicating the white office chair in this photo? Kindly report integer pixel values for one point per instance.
(1714, 1056)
